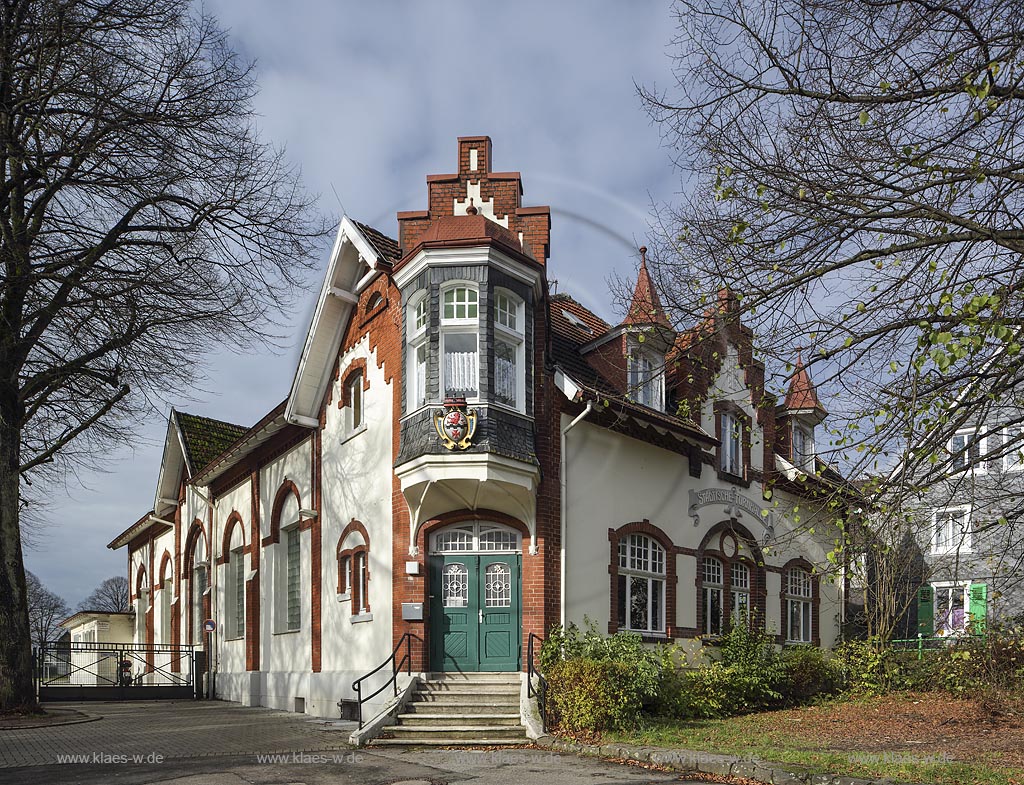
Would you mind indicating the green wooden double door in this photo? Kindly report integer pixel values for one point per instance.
(475, 612)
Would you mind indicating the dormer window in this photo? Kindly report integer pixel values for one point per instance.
(732, 444)
(459, 349)
(803, 447)
(732, 426)
(509, 351)
(645, 378)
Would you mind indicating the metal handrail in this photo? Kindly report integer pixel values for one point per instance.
(542, 683)
(396, 667)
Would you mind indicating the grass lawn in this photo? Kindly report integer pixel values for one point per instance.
(914, 737)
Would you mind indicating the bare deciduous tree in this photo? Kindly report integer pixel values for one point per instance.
(111, 596)
(142, 220)
(46, 610)
(854, 173)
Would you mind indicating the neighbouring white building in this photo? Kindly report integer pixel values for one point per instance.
(468, 458)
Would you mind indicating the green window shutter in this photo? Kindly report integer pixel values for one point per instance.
(978, 607)
(926, 610)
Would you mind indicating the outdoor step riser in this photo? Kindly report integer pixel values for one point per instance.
(471, 681)
(439, 707)
(439, 742)
(463, 690)
(479, 700)
(414, 736)
(411, 720)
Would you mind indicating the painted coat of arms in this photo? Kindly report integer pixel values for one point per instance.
(455, 424)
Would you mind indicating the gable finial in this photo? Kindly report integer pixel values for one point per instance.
(471, 208)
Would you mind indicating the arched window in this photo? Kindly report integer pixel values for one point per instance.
(141, 605)
(476, 536)
(418, 344)
(459, 348)
(730, 584)
(166, 590)
(714, 590)
(354, 570)
(234, 584)
(509, 350)
(641, 584)
(799, 605)
(198, 585)
(287, 562)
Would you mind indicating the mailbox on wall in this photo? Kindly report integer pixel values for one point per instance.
(412, 611)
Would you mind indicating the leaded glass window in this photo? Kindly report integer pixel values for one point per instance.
(455, 585)
(498, 586)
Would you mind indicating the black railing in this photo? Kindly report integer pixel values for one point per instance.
(542, 684)
(112, 665)
(396, 667)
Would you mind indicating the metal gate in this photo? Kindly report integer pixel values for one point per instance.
(114, 671)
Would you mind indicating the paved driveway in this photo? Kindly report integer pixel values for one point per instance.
(216, 743)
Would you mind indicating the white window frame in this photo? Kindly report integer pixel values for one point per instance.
(456, 325)
(166, 589)
(740, 610)
(732, 443)
(803, 446)
(645, 377)
(946, 540)
(234, 595)
(513, 335)
(713, 585)
(279, 558)
(801, 599)
(949, 589)
(474, 531)
(141, 608)
(1013, 459)
(639, 556)
(971, 463)
(355, 411)
(417, 340)
(288, 535)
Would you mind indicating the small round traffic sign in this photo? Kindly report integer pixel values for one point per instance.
(210, 625)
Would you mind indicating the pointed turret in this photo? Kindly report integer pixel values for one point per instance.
(645, 307)
(802, 397)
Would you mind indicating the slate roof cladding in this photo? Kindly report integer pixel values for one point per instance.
(385, 246)
(205, 438)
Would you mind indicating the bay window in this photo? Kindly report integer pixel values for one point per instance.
(418, 350)
(509, 351)
(459, 342)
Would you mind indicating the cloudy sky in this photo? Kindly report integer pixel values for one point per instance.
(369, 98)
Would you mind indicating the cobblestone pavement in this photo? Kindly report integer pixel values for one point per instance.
(169, 729)
(218, 743)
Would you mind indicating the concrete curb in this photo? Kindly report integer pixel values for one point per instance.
(707, 763)
(82, 717)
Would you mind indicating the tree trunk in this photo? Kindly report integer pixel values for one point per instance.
(16, 688)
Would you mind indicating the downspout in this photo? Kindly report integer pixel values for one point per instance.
(564, 468)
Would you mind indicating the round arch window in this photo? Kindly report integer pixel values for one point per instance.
(476, 537)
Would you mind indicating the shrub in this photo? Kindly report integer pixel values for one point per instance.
(868, 667)
(596, 683)
(588, 696)
(808, 674)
